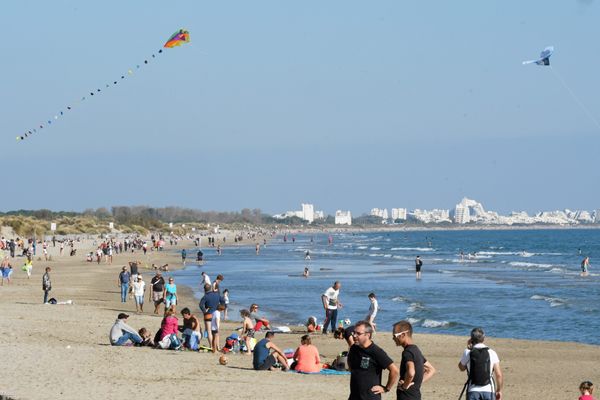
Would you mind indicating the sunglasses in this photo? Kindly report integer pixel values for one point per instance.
(359, 333)
(396, 335)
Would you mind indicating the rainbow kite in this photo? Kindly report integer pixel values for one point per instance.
(180, 37)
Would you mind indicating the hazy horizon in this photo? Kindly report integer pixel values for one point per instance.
(345, 105)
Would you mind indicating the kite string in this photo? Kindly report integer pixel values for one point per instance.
(583, 107)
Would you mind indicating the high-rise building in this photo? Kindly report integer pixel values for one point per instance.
(399, 213)
(461, 214)
(308, 212)
(343, 217)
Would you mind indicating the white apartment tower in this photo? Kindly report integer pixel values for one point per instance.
(308, 212)
(399, 213)
(343, 217)
(461, 214)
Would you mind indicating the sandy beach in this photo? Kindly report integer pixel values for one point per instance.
(63, 352)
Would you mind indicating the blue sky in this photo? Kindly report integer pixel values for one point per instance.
(345, 104)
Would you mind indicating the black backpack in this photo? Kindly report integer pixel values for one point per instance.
(479, 371)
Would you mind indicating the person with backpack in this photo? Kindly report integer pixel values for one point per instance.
(418, 265)
(481, 364)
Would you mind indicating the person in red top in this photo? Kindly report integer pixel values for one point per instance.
(586, 388)
(306, 357)
(169, 324)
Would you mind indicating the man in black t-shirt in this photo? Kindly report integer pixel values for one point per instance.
(366, 361)
(414, 368)
(158, 285)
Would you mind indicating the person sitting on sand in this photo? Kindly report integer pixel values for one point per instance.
(260, 320)
(263, 360)
(345, 333)
(121, 333)
(306, 357)
(146, 336)
(247, 329)
(192, 331)
(169, 325)
(311, 324)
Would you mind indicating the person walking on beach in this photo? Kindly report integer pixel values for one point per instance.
(373, 308)
(366, 361)
(170, 294)
(481, 363)
(418, 265)
(158, 285)
(6, 269)
(331, 304)
(585, 264)
(138, 287)
(124, 280)
(414, 368)
(46, 284)
(183, 256)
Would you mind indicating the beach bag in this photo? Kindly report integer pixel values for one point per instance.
(341, 362)
(479, 371)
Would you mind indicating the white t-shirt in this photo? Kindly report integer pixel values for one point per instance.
(138, 288)
(206, 280)
(373, 308)
(466, 361)
(332, 298)
(214, 324)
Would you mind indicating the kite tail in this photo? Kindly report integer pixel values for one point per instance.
(583, 107)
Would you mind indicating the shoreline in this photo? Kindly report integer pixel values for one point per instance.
(53, 342)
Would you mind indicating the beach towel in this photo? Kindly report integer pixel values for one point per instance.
(323, 372)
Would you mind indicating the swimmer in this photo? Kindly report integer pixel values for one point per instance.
(306, 272)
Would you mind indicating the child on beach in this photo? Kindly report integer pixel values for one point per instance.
(214, 327)
(226, 301)
(586, 388)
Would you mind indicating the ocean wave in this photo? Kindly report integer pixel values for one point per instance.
(412, 249)
(362, 247)
(529, 265)
(413, 321)
(432, 323)
(400, 299)
(375, 248)
(557, 270)
(414, 307)
(552, 301)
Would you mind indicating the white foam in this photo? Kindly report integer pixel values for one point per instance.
(362, 247)
(412, 249)
(375, 248)
(413, 321)
(399, 298)
(553, 301)
(432, 323)
(413, 307)
(529, 265)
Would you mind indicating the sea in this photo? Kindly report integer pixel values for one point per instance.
(523, 284)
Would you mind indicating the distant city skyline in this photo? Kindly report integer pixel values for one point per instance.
(343, 104)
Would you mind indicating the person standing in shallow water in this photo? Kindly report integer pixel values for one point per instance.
(418, 265)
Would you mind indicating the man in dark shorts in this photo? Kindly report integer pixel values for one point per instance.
(414, 368)
(366, 361)
(418, 265)
(263, 359)
(156, 294)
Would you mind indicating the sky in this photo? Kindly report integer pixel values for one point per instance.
(344, 104)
